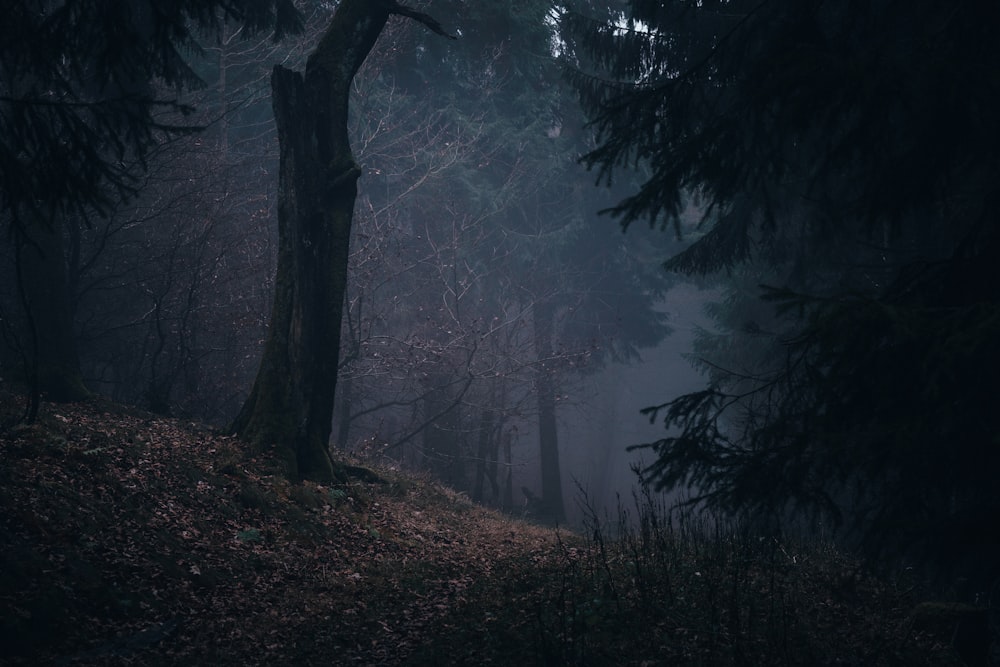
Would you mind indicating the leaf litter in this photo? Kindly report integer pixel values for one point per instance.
(135, 539)
(131, 539)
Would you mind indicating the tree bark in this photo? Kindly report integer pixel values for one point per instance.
(548, 435)
(485, 455)
(442, 433)
(290, 407)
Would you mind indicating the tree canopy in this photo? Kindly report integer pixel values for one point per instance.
(87, 87)
(851, 149)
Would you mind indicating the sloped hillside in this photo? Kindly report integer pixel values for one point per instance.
(128, 539)
(133, 538)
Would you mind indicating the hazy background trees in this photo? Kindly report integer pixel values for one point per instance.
(506, 288)
(484, 293)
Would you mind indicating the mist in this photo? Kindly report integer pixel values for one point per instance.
(546, 221)
(604, 420)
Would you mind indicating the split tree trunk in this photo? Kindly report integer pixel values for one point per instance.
(290, 407)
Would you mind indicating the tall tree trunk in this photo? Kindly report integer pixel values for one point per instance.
(290, 407)
(46, 296)
(507, 502)
(344, 416)
(548, 436)
(485, 458)
(442, 434)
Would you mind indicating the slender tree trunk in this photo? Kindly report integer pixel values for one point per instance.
(548, 436)
(47, 300)
(442, 434)
(344, 418)
(507, 502)
(290, 407)
(484, 453)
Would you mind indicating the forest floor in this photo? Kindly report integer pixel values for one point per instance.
(131, 539)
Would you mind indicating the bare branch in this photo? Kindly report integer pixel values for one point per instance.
(429, 21)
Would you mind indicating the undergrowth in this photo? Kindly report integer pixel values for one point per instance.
(656, 586)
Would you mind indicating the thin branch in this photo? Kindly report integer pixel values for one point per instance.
(428, 21)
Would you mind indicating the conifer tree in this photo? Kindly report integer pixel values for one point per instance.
(85, 95)
(848, 149)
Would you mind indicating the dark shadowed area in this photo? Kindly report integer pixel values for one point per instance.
(573, 332)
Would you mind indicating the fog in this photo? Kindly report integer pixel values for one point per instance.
(604, 420)
(482, 280)
(482, 318)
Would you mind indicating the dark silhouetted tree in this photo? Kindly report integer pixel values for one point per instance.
(171, 289)
(290, 408)
(85, 95)
(848, 150)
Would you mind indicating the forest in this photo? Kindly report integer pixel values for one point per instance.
(627, 294)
